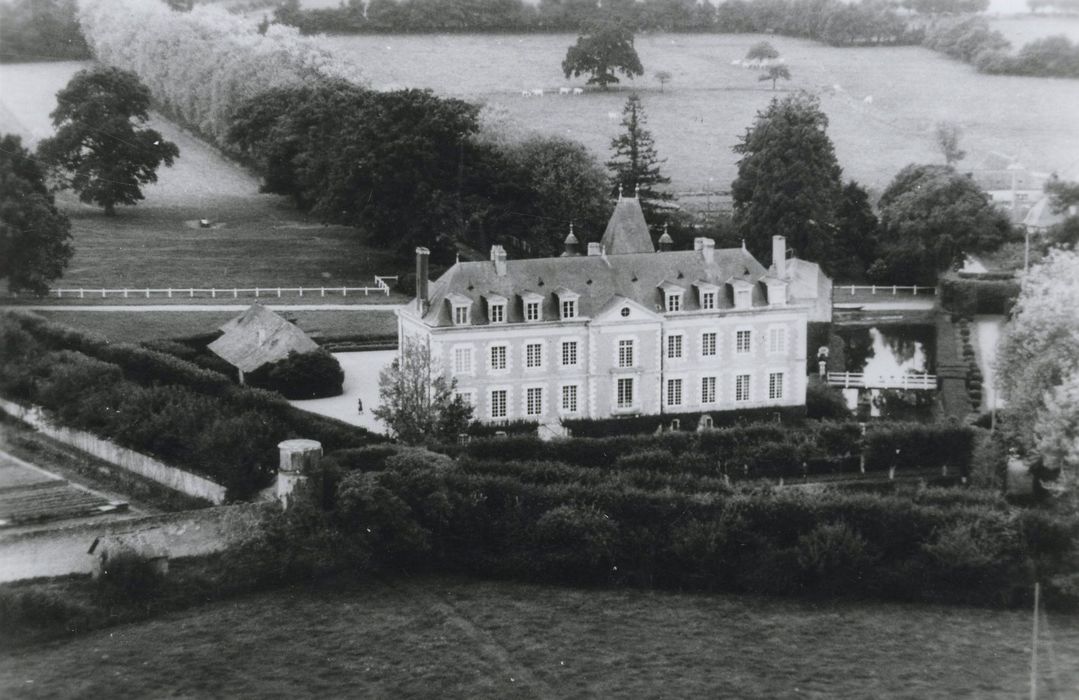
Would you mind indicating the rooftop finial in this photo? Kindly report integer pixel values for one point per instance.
(620, 191)
(664, 227)
(743, 244)
(637, 190)
(571, 228)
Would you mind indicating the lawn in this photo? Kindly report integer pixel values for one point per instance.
(463, 638)
(706, 108)
(255, 239)
(138, 326)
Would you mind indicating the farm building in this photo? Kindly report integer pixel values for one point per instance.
(259, 337)
(623, 329)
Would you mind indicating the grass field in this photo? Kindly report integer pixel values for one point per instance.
(709, 103)
(463, 638)
(138, 326)
(257, 239)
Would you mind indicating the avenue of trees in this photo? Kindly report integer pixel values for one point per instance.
(101, 149)
(34, 237)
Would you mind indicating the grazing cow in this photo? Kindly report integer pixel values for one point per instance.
(538, 92)
(526, 93)
(564, 91)
(578, 91)
(868, 100)
(612, 115)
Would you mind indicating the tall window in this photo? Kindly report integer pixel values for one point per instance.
(498, 357)
(569, 308)
(534, 355)
(777, 340)
(708, 389)
(534, 401)
(708, 344)
(532, 311)
(674, 392)
(498, 313)
(708, 300)
(775, 385)
(674, 347)
(625, 392)
(498, 403)
(742, 342)
(569, 353)
(625, 353)
(741, 387)
(462, 360)
(569, 398)
(460, 315)
(674, 302)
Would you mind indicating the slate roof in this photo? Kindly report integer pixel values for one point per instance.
(627, 231)
(240, 345)
(597, 279)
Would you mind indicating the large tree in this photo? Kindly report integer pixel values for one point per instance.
(855, 238)
(34, 236)
(101, 149)
(947, 135)
(636, 166)
(931, 218)
(789, 182)
(1038, 359)
(603, 50)
(417, 399)
(774, 73)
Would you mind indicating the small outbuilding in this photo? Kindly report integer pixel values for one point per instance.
(259, 337)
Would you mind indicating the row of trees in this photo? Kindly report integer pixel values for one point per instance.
(832, 21)
(972, 40)
(40, 30)
(412, 169)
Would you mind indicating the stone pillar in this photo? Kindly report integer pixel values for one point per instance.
(298, 469)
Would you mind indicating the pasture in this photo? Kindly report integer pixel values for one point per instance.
(255, 239)
(709, 103)
(467, 638)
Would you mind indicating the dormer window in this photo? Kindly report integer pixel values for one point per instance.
(777, 292)
(496, 308)
(742, 298)
(707, 295)
(672, 296)
(567, 302)
(533, 306)
(460, 309)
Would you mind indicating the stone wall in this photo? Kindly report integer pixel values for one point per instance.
(135, 462)
(66, 550)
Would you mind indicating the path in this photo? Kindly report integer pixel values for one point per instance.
(361, 382)
(203, 307)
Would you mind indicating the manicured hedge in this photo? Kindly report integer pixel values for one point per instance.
(687, 422)
(915, 445)
(309, 375)
(538, 521)
(968, 296)
(156, 403)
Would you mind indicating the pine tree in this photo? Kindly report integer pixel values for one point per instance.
(635, 166)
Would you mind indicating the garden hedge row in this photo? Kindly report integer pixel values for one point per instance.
(967, 296)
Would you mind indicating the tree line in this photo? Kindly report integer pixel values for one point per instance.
(972, 40)
(830, 21)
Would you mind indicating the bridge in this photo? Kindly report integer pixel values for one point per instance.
(882, 297)
(858, 380)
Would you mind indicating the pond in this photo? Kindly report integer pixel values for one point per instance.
(888, 350)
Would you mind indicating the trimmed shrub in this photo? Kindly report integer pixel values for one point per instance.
(575, 544)
(824, 401)
(834, 559)
(128, 576)
(309, 375)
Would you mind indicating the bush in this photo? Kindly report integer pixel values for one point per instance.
(834, 559)
(129, 576)
(575, 544)
(309, 375)
(824, 401)
(967, 296)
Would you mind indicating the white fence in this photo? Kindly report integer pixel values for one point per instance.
(381, 287)
(884, 289)
(857, 380)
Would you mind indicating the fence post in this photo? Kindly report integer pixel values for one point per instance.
(234, 292)
(915, 290)
(191, 292)
(323, 291)
(278, 292)
(873, 290)
(81, 293)
(344, 291)
(102, 293)
(256, 292)
(301, 290)
(147, 292)
(852, 290)
(365, 291)
(893, 290)
(125, 292)
(170, 292)
(213, 292)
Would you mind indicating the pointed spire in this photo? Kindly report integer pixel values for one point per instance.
(571, 244)
(637, 190)
(666, 243)
(743, 244)
(620, 191)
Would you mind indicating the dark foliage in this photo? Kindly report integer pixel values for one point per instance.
(969, 296)
(309, 375)
(41, 30)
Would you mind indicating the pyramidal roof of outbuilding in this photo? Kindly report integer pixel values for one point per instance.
(257, 337)
(627, 231)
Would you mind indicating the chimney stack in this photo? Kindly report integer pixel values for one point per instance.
(498, 257)
(595, 248)
(779, 255)
(707, 248)
(422, 255)
(572, 245)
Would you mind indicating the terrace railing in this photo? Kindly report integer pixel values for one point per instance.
(858, 380)
(381, 286)
(883, 290)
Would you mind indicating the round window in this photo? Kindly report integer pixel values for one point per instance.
(625, 311)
